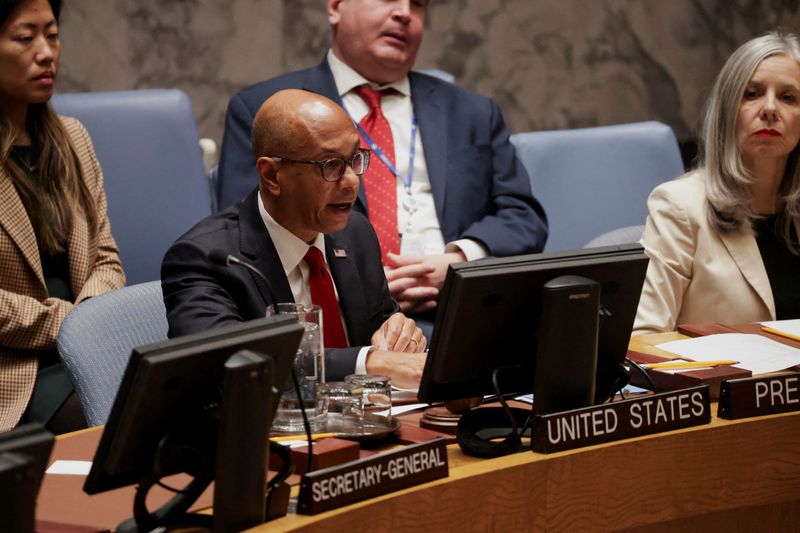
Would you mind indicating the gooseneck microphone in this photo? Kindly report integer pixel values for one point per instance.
(223, 258)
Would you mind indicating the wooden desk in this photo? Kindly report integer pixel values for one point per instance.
(726, 476)
(741, 475)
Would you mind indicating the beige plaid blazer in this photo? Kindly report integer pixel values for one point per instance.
(29, 320)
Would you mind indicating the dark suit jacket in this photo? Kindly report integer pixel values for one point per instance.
(200, 295)
(480, 189)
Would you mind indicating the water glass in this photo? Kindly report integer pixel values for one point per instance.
(309, 365)
(341, 400)
(377, 392)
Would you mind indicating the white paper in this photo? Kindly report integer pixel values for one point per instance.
(70, 468)
(525, 398)
(792, 327)
(754, 352)
(294, 443)
(400, 409)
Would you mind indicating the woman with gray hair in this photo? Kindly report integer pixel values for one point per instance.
(723, 239)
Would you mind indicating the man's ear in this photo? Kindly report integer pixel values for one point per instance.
(268, 175)
(333, 12)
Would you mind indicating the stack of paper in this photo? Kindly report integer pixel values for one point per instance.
(785, 328)
(754, 352)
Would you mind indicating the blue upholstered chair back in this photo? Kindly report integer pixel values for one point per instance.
(96, 339)
(147, 144)
(594, 180)
(626, 235)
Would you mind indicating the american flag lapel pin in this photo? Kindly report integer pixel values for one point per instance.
(339, 252)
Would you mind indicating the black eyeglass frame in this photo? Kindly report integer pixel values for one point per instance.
(321, 163)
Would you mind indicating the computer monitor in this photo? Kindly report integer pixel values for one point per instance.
(490, 315)
(174, 397)
(24, 453)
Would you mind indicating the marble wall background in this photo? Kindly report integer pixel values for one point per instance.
(550, 64)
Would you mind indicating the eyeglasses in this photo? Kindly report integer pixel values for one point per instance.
(332, 169)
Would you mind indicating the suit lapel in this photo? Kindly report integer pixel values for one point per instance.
(257, 248)
(743, 249)
(348, 285)
(320, 80)
(17, 224)
(430, 109)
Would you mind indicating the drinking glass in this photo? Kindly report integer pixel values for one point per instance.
(377, 392)
(309, 365)
(341, 399)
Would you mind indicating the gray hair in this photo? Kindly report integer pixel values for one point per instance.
(728, 182)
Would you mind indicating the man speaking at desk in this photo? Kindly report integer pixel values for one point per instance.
(299, 230)
(444, 184)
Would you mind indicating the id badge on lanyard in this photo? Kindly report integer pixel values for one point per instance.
(411, 242)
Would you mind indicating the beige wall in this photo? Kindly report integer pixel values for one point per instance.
(549, 63)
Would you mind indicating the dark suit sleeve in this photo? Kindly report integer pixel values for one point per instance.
(515, 222)
(199, 296)
(237, 171)
(195, 292)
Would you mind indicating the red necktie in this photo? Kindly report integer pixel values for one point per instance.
(380, 184)
(323, 295)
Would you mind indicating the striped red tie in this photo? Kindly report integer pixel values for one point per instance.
(323, 295)
(380, 185)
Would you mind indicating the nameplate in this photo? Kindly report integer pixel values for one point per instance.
(742, 398)
(351, 482)
(621, 420)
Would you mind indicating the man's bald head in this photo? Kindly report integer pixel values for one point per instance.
(294, 132)
(289, 120)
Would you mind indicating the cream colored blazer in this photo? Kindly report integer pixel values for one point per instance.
(696, 274)
(29, 320)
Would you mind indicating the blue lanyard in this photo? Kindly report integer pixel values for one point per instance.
(382, 155)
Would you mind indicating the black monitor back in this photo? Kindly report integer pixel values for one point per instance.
(24, 454)
(490, 313)
(168, 381)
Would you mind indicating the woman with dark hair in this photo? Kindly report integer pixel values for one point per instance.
(722, 240)
(56, 248)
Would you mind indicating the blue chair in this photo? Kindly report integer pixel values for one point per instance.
(626, 235)
(594, 180)
(147, 144)
(96, 339)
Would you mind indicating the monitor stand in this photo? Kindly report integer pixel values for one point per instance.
(566, 355)
(236, 458)
(566, 369)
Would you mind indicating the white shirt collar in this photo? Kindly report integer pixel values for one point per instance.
(348, 79)
(291, 249)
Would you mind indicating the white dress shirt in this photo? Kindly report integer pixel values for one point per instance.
(291, 251)
(399, 112)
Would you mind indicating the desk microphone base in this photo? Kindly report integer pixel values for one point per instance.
(440, 419)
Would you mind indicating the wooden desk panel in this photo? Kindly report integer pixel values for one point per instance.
(741, 475)
(723, 474)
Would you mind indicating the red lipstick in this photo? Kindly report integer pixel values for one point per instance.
(768, 132)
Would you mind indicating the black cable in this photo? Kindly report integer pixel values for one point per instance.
(641, 369)
(306, 424)
(502, 400)
(284, 452)
(171, 489)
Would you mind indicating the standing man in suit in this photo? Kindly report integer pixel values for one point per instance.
(445, 184)
(298, 228)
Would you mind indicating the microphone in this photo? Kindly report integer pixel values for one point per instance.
(223, 258)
